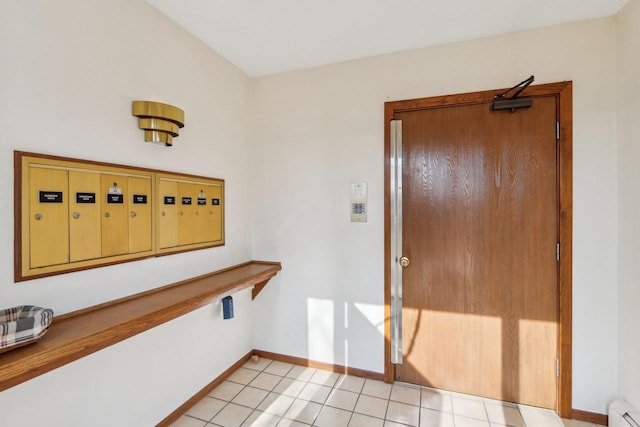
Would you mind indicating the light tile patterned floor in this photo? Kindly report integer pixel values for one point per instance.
(271, 393)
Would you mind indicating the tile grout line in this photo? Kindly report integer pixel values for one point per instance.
(486, 413)
(244, 386)
(306, 382)
(333, 388)
(281, 417)
(268, 392)
(330, 393)
(387, 408)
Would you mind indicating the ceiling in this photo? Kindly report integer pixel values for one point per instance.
(263, 37)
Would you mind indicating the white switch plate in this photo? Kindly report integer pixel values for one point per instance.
(359, 202)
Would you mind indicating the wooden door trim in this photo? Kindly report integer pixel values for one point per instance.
(563, 93)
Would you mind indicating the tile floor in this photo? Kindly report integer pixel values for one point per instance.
(272, 393)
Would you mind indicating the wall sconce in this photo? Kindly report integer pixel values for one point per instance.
(160, 122)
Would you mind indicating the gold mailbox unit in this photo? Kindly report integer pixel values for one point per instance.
(189, 212)
(72, 214)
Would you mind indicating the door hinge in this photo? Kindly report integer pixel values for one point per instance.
(557, 367)
(558, 251)
(558, 131)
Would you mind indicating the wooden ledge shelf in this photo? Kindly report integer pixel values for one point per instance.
(78, 334)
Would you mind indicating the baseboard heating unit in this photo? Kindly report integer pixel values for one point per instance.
(622, 414)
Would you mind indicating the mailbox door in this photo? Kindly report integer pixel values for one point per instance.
(139, 199)
(48, 216)
(187, 225)
(85, 236)
(115, 217)
(167, 218)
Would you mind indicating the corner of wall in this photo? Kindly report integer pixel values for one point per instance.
(628, 111)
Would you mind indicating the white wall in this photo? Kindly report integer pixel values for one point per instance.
(629, 200)
(69, 73)
(139, 381)
(319, 130)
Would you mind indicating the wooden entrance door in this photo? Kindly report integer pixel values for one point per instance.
(480, 227)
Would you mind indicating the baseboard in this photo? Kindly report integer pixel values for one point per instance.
(576, 414)
(590, 417)
(327, 366)
(268, 355)
(202, 393)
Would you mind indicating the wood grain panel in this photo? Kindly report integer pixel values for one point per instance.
(86, 331)
(480, 228)
(565, 267)
(563, 91)
(590, 417)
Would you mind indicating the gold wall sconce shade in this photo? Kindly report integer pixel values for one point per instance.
(160, 122)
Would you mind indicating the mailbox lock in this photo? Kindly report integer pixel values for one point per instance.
(76, 215)
(38, 217)
(164, 213)
(181, 213)
(133, 214)
(107, 214)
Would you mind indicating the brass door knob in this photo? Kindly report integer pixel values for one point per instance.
(404, 262)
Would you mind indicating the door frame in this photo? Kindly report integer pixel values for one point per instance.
(563, 91)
